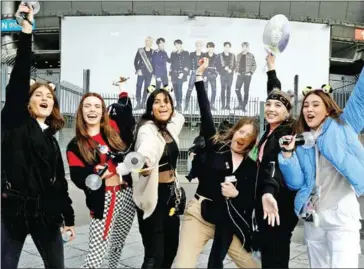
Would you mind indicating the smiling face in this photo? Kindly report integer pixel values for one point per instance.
(92, 111)
(314, 111)
(41, 103)
(275, 112)
(242, 138)
(162, 107)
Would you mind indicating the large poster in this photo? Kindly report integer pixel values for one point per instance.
(164, 50)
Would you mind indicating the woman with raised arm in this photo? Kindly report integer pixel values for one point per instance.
(101, 141)
(226, 159)
(272, 192)
(328, 176)
(154, 190)
(34, 195)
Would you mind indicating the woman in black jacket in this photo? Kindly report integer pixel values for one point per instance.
(272, 194)
(35, 197)
(215, 195)
(111, 206)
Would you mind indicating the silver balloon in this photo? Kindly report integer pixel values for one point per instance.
(276, 34)
(134, 161)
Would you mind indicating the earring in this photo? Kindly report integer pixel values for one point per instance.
(151, 113)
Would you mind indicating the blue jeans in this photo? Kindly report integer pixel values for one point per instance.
(47, 239)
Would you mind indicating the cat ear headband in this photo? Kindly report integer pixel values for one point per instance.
(52, 85)
(152, 88)
(326, 88)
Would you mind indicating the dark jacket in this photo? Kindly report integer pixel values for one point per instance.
(218, 165)
(270, 178)
(121, 112)
(33, 177)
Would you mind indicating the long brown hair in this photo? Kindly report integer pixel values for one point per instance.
(230, 133)
(332, 108)
(55, 120)
(86, 145)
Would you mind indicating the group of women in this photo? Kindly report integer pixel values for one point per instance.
(249, 196)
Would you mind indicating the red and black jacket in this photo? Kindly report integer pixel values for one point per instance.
(123, 121)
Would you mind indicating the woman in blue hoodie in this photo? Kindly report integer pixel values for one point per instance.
(328, 176)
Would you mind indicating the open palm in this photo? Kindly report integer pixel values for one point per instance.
(270, 208)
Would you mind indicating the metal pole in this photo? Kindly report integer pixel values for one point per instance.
(261, 118)
(86, 80)
(295, 95)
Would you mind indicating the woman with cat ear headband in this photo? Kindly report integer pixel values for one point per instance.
(35, 197)
(328, 176)
(274, 211)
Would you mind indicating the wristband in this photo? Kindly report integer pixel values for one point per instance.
(287, 150)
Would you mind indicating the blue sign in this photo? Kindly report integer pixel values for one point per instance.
(10, 25)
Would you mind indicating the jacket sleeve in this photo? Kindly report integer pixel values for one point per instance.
(66, 203)
(145, 145)
(15, 111)
(291, 170)
(254, 64)
(270, 174)
(136, 61)
(273, 81)
(207, 123)
(177, 122)
(124, 118)
(354, 108)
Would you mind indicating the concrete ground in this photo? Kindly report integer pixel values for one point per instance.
(133, 252)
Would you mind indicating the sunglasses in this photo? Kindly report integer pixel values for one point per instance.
(326, 88)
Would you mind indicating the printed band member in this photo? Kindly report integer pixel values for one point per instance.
(245, 68)
(154, 190)
(211, 73)
(144, 70)
(159, 62)
(34, 193)
(194, 59)
(111, 206)
(179, 71)
(226, 69)
(222, 159)
(275, 239)
(328, 176)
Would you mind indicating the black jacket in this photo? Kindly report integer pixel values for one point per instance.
(33, 177)
(270, 178)
(122, 113)
(218, 165)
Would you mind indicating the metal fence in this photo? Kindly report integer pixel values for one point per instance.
(69, 96)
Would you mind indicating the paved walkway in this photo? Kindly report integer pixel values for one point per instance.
(132, 255)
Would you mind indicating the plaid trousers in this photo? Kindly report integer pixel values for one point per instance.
(112, 229)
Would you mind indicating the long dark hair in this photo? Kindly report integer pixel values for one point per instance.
(148, 115)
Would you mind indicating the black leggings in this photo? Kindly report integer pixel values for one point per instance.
(160, 232)
(48, 241)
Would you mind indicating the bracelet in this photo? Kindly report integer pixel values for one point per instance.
(198, 75)
(287, 150)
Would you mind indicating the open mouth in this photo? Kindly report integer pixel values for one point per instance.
(44, 105)
(92, 117)
(310, 117)
(163, 112)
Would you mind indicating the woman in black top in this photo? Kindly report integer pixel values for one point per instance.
(154, 189)
(223, 159)
(276, 232)
(35, 197)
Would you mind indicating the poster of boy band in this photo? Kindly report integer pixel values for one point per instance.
(178, 70)
(165, 51)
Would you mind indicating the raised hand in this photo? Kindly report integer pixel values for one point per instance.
(287, 153)
(204, 63)
(271, 61)
(27, 27)
(270, 208)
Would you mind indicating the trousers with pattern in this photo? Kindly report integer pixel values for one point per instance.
(112, 229)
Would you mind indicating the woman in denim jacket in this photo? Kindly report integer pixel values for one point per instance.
(328, 176)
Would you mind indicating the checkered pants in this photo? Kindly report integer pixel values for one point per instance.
(112, 228)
